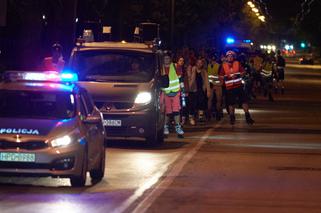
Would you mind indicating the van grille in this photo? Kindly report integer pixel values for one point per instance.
(109, 106)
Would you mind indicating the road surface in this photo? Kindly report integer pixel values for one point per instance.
(274, 165)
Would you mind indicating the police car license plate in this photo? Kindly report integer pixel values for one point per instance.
(17, 157)
(112, 123)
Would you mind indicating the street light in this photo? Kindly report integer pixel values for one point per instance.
(255, 10)
(262, 18)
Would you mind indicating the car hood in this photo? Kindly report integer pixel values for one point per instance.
(35, 128)
(115, 92)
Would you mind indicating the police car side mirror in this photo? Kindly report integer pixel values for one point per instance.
(91, 119)
(163, 81)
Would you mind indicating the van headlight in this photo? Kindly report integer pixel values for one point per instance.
(62, 141)
(143, 98)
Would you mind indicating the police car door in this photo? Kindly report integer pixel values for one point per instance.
(92, 130)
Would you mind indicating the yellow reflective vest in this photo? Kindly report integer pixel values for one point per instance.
(212, 72)
(174, 85)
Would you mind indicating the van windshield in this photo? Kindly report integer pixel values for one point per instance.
(114, 66)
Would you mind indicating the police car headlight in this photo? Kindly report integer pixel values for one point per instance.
(143, 98)
(63, 141)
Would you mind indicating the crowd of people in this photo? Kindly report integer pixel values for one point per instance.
(202, 85)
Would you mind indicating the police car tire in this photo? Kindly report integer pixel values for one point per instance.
(80, 181)
(98, 174)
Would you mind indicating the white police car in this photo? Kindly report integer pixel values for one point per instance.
(49, 126)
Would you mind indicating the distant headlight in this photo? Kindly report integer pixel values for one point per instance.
(143, 98)
(63, 141)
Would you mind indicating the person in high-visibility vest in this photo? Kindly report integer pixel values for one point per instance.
(172, 96)
(231, 75)
(280, 66)
(56, 61)
(215, 88)
(268, 68)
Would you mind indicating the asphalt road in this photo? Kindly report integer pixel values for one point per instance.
(271, 166)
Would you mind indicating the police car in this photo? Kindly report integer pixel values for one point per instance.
(49, 126)
(125, 80)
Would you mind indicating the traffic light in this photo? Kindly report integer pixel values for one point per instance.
(303, 45)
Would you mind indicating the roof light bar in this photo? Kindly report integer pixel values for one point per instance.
(50, 76)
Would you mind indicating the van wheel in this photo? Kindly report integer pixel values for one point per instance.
(80, 180)
(99, 173)
(157, 139)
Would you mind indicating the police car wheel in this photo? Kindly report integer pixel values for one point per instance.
(99, 173)
(80, 180)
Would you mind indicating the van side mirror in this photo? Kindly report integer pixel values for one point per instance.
(163, 81)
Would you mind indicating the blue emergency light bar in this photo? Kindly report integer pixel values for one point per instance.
(230, 40)
(50, 76)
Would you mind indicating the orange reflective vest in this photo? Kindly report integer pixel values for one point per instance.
(232, 75)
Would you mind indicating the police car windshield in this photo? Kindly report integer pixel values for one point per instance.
(36, 104)
(111, 65)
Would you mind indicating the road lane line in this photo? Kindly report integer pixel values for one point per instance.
(170, 177)
(142, 189)
(302, 66)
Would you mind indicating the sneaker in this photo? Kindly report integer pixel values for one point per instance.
(248, 118)
(232, 119)
(166, 130)
(192, 121)
(179, 131)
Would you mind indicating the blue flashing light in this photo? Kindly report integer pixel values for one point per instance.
(68, 76)
(303, 45)
(230, 40)
(49, 76)
(247, 41)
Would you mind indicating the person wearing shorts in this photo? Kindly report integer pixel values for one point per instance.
(172, 96)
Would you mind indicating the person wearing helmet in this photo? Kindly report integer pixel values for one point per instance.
(231, 76)
(56, 61)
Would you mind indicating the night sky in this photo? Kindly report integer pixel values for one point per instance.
(283, 9)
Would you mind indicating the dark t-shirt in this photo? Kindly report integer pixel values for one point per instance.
(199, 81)
(280, 61)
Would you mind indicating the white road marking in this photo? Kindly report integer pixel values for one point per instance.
(173, 173)
(303, 66)
(140, 191)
